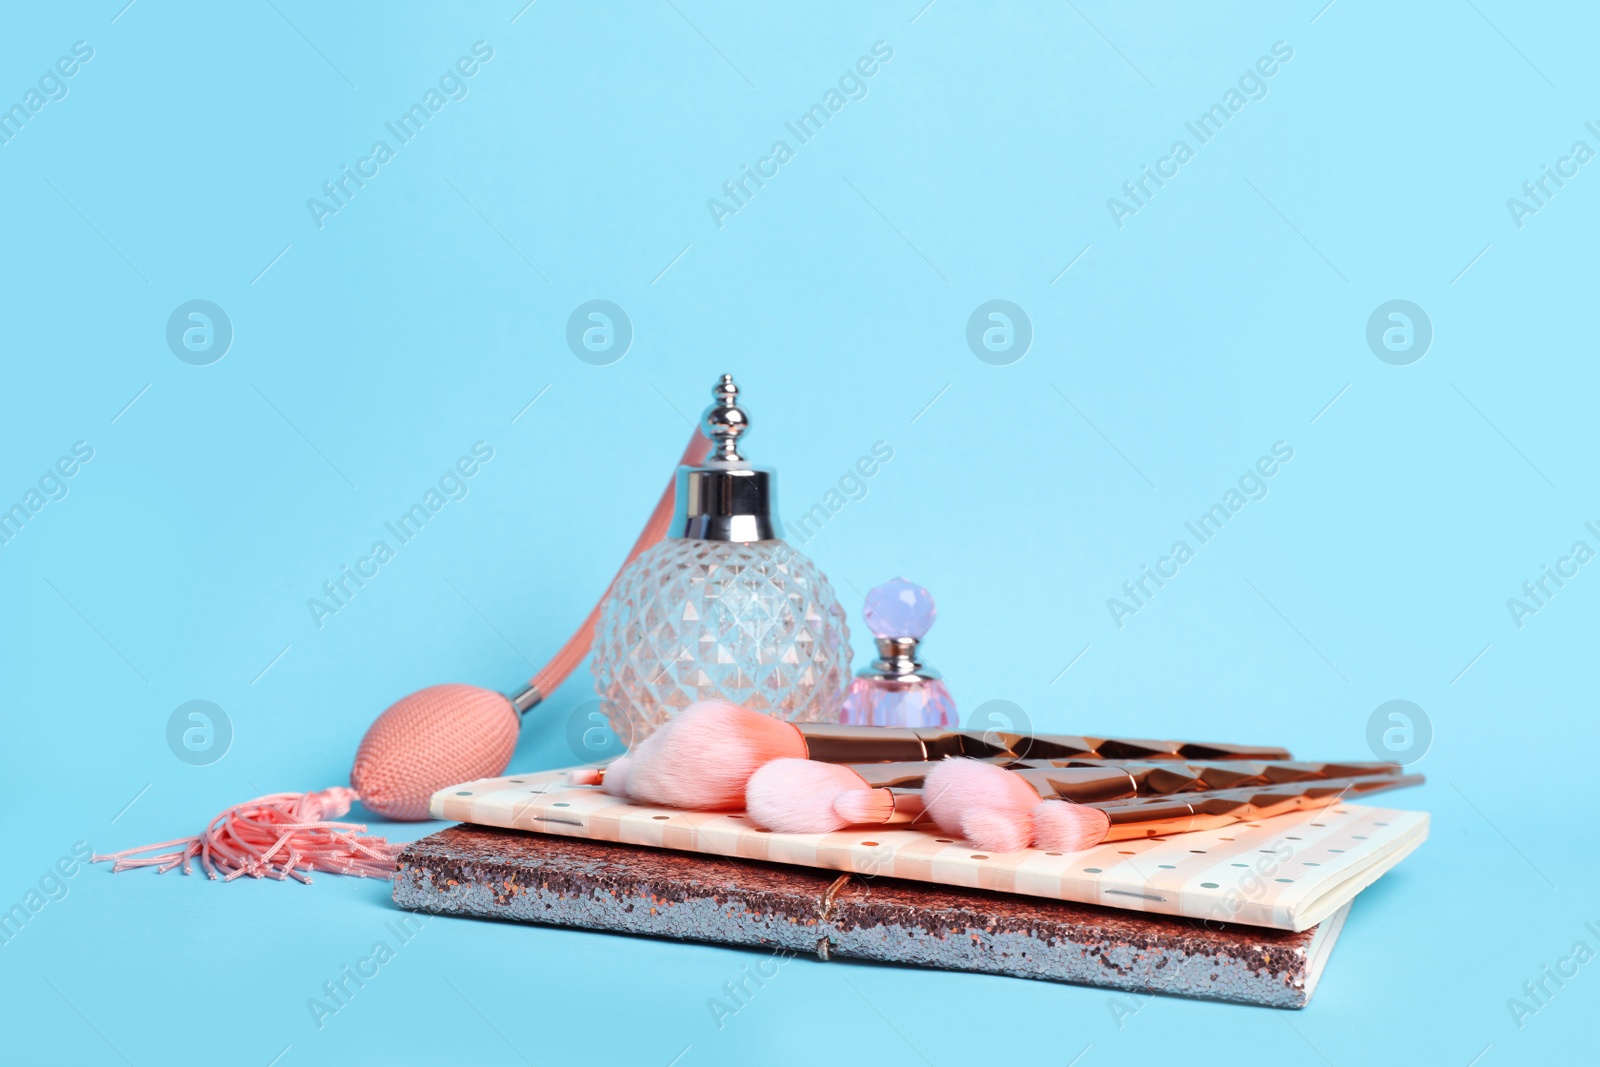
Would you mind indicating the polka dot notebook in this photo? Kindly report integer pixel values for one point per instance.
(1289, 872)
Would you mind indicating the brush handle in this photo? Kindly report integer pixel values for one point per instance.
(1088, 782)
(837, 743)
(1156, 815)
(1159, 816)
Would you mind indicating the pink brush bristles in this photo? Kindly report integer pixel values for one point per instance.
(1000, 812)
(703, 758)
(798, 796)
(866, 807)
(616, 777)
(957, 787)
(1062, 827)
(994, 830)
(283, 835)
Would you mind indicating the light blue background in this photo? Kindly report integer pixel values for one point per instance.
(1228, 314)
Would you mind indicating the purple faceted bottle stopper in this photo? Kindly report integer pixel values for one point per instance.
(900, 608)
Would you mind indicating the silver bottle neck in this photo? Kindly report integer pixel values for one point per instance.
(897, 658)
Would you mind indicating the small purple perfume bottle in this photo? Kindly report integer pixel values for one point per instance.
(896, 689)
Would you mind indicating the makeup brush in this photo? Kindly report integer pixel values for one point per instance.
(787, 795)
(1002, 811)
(997, 810)
(702, 760)
(988, 805)
(1142, 817)
(1082, 781)
(801, 796)
(804, 796)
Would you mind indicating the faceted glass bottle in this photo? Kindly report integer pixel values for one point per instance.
(898, 689)
(722, 608)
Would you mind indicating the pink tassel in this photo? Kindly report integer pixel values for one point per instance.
(283, 835)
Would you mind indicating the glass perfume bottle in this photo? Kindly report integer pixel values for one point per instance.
(897, 689)
(722, 607)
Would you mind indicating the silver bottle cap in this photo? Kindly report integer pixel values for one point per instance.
(725, 499)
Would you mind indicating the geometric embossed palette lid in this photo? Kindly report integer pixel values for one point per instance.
(1289, 872)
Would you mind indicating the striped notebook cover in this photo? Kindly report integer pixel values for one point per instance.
(1290, 872)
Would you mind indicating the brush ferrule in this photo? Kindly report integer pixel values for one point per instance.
(838, 743)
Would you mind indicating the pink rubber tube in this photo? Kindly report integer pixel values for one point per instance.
(549, 677)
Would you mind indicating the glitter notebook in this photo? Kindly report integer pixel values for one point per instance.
(1289, 872)
(802, 913)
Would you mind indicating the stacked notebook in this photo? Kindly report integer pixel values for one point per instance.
(1246, 912)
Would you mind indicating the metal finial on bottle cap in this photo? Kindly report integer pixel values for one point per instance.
(724, 421)
(726, 499)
